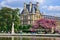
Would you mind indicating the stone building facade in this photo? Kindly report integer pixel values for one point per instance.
(30, 13)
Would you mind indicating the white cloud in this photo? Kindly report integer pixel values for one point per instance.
(8, 1)
(40, 1)
(11, 0)
(57, 8)
(15, 0)
(3, 3)
(44, 7)
(54, 8)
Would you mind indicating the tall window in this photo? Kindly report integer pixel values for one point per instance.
(25, 19)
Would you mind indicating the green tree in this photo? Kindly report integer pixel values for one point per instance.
(7, 16)
(24, 27)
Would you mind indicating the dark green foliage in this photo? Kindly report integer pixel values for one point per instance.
(23, 28)
(7, 16)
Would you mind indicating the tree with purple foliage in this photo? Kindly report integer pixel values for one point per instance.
(45, 24)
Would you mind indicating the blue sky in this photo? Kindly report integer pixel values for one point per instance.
(48, 7)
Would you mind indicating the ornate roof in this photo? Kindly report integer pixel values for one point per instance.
(30, 7)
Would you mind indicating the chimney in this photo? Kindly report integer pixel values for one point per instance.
(24, 5)
(30, 6)
(37, 5)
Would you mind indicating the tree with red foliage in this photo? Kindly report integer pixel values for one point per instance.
(46, 23)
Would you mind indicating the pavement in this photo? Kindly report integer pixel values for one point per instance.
(41, 35)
